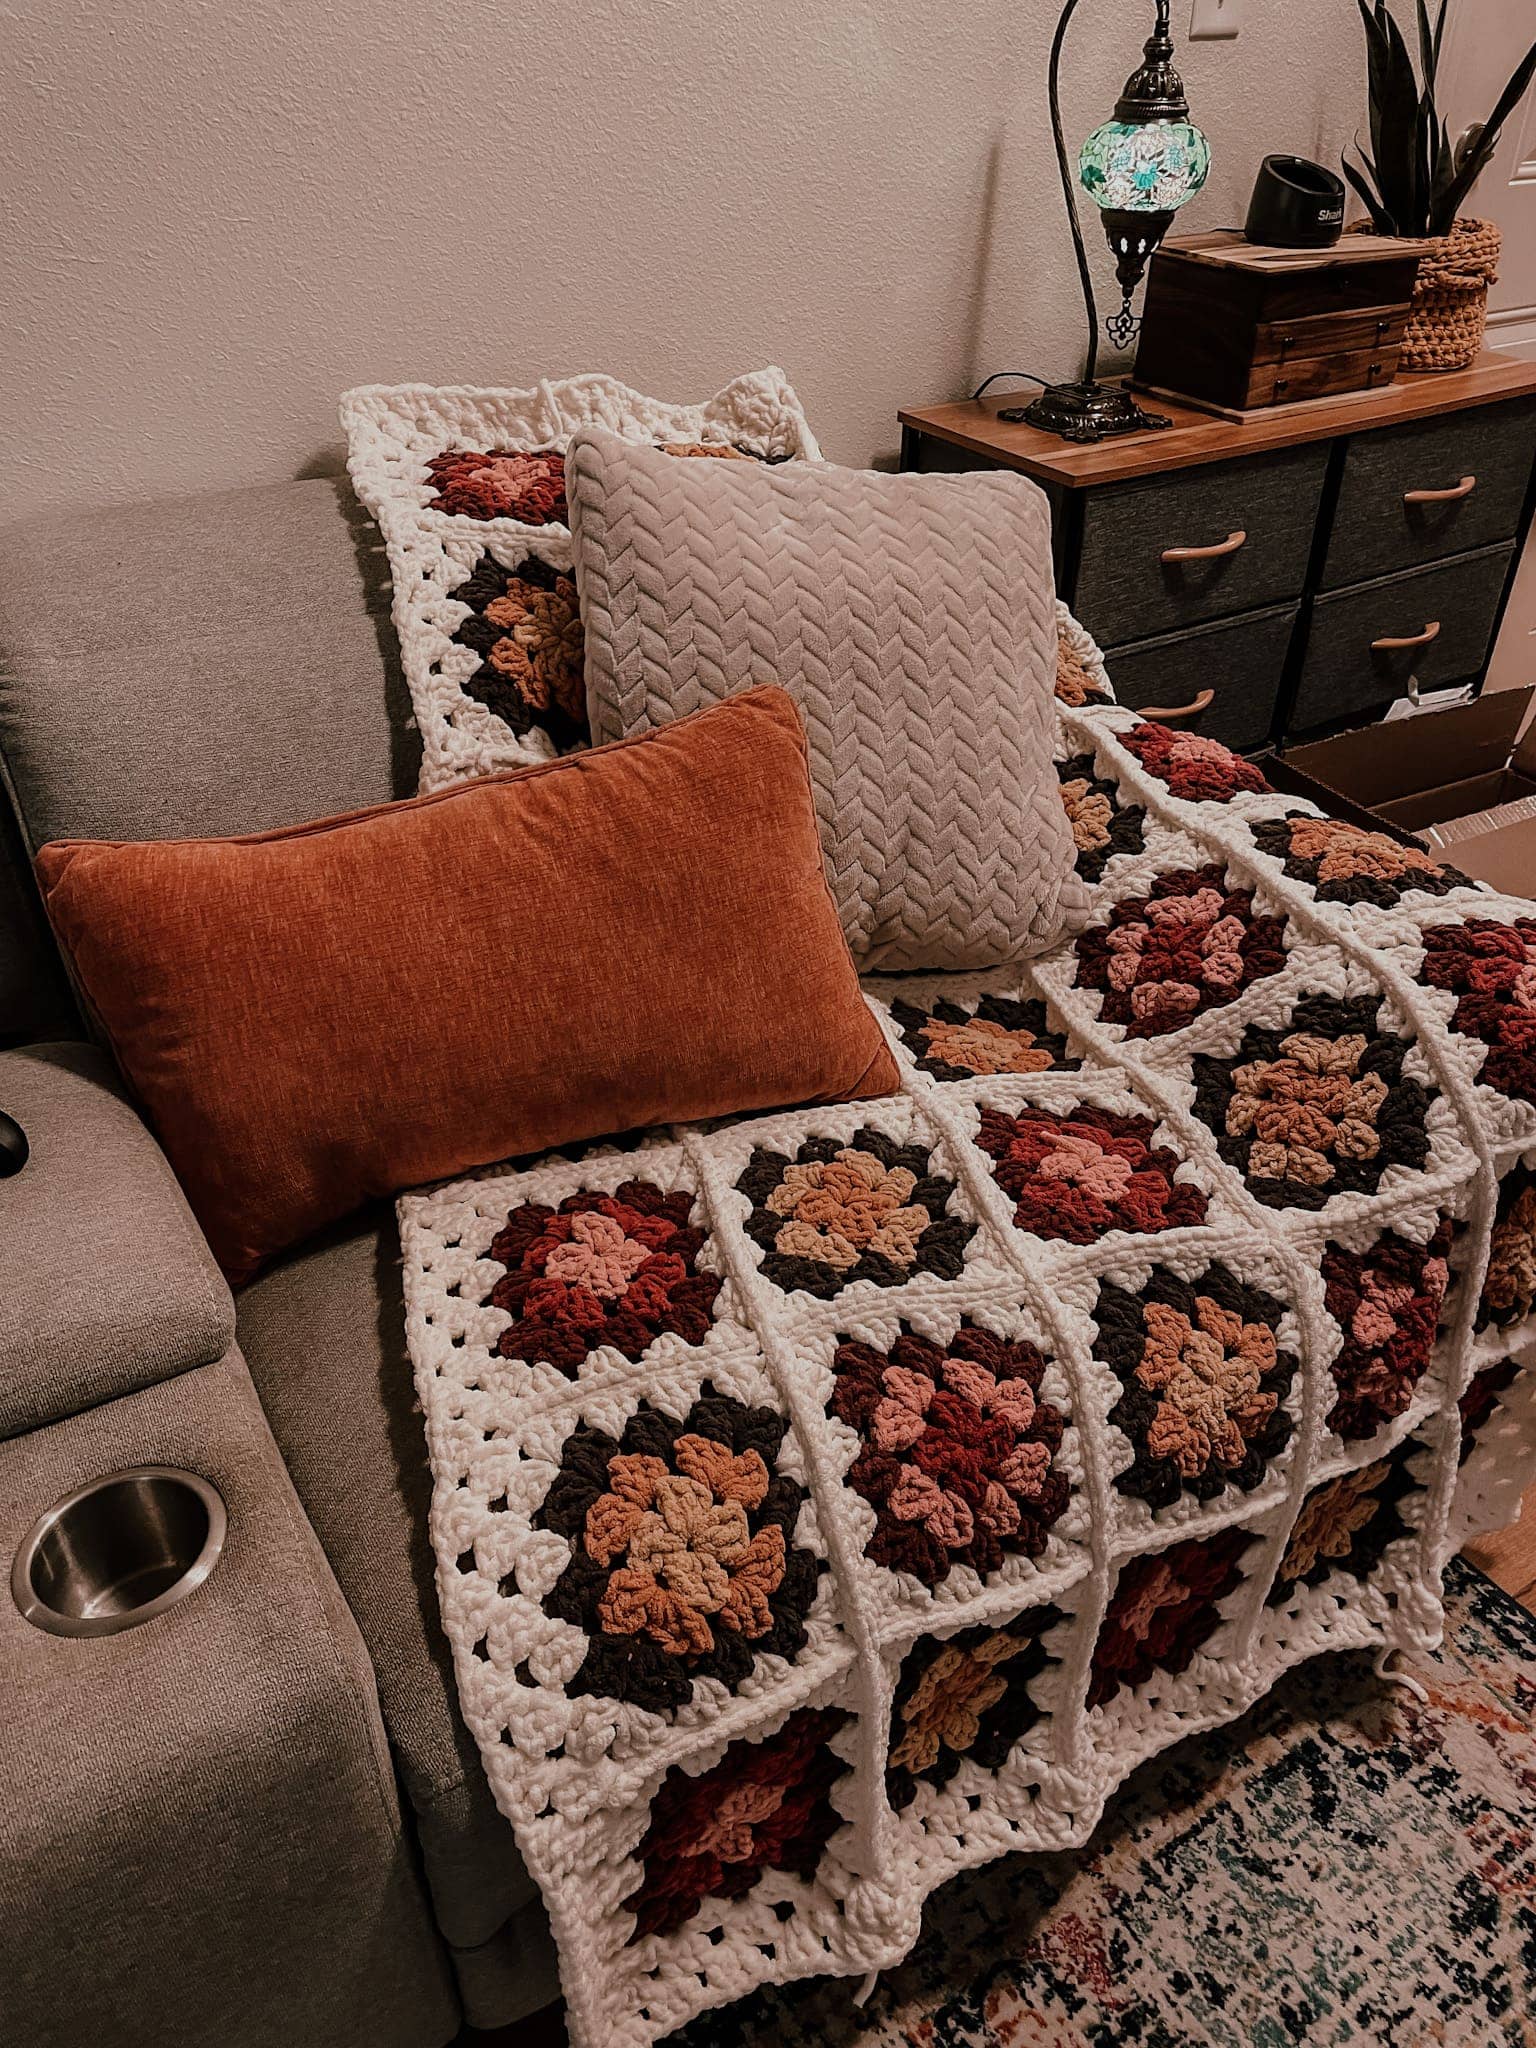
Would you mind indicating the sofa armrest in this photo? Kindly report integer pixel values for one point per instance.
(108, 1283)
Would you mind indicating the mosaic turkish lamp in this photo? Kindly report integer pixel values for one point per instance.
(1138, 169)
(1139, 174)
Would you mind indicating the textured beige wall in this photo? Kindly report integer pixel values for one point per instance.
(220, 213)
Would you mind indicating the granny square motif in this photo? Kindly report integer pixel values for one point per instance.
(829, 1501)
(468, 488)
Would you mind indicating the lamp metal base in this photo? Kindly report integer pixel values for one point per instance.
(1087, 412)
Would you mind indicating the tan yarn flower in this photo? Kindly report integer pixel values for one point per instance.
(1307, 1108)
(1074, 685)
(691, 1559)
(1089, 813)
(540, 652)
(838, 1209)
(1208, 1375)
(716, 448)
(1345, 852)
(982, 1046)
(948, 1701)
(1329, 1521)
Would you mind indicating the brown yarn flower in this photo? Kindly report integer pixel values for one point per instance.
(1347, 1525)
(682, 1560)
(719, 449)
(1101, 825)
(1346, 864)
(838, 1213)
(1001, 1036)
(525, 626)
(966, 1698)
(1075, 686)
(1318, 1109)
(1203, 1382)
(1329, 1521)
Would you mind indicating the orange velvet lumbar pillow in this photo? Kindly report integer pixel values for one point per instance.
(316, 1016)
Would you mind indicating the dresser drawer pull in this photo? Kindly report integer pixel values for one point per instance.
(1229, 546)
(1193, 709)
(1390, 646)
(1464, 489)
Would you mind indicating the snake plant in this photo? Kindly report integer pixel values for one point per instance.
(1415, 180)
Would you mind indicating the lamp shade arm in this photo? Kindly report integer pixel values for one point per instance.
(1091, 371)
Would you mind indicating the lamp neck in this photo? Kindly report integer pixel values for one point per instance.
(1156, 91)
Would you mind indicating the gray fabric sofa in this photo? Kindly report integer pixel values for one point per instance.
(257, 1819)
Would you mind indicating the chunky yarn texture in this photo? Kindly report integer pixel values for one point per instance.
(829, 1501)
(468, 488)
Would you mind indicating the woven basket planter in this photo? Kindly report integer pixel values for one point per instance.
(1450, 300)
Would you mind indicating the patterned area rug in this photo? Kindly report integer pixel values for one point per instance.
(1342, 1866)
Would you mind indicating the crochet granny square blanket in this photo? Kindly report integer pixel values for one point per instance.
(828, 1501)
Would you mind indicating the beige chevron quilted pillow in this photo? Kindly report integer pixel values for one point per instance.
(913, 619)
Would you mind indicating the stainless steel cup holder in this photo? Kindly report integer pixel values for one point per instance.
(118, 1551)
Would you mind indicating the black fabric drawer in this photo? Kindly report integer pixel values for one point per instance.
(1375, 533)
(1125, 591)
(1241, 660)
(1342, 672)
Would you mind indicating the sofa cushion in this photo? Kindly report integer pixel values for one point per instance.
(208, 665)
(109, 1285)
(324, 1336)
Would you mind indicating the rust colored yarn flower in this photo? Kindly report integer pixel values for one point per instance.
(1164, 1607)
(1319, 1109)
(1075, 687)
(963, 1699)
(617, 1269)
(1492, 968)
(1204, 1382)
(1346, 1525)
(1480, 1403)
(764, 1806)
(1078, 1175)
(500, 483)
(868, 1210)
(958, 1450)
(1387, 1302)
(1345, 864)
(525, 626)
(1101, 825)
(1197, 769)
(682, 1560)
(1000, 1036)
(1509, 1287)
(1191, 945)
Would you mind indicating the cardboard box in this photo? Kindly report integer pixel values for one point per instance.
(1461, 782)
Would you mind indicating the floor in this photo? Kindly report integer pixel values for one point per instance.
(1508, 1557)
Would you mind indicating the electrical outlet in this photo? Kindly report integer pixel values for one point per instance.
(1215, 21)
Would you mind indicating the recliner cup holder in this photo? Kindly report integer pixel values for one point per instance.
(118, 1551)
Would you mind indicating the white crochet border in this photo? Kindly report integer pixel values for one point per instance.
(393, 431)
(495, 1431)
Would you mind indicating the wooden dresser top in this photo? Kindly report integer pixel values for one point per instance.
(1198, 437)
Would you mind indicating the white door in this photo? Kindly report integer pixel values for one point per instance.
(1484, 40)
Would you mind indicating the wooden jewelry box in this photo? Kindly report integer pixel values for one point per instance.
(1234, 328)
